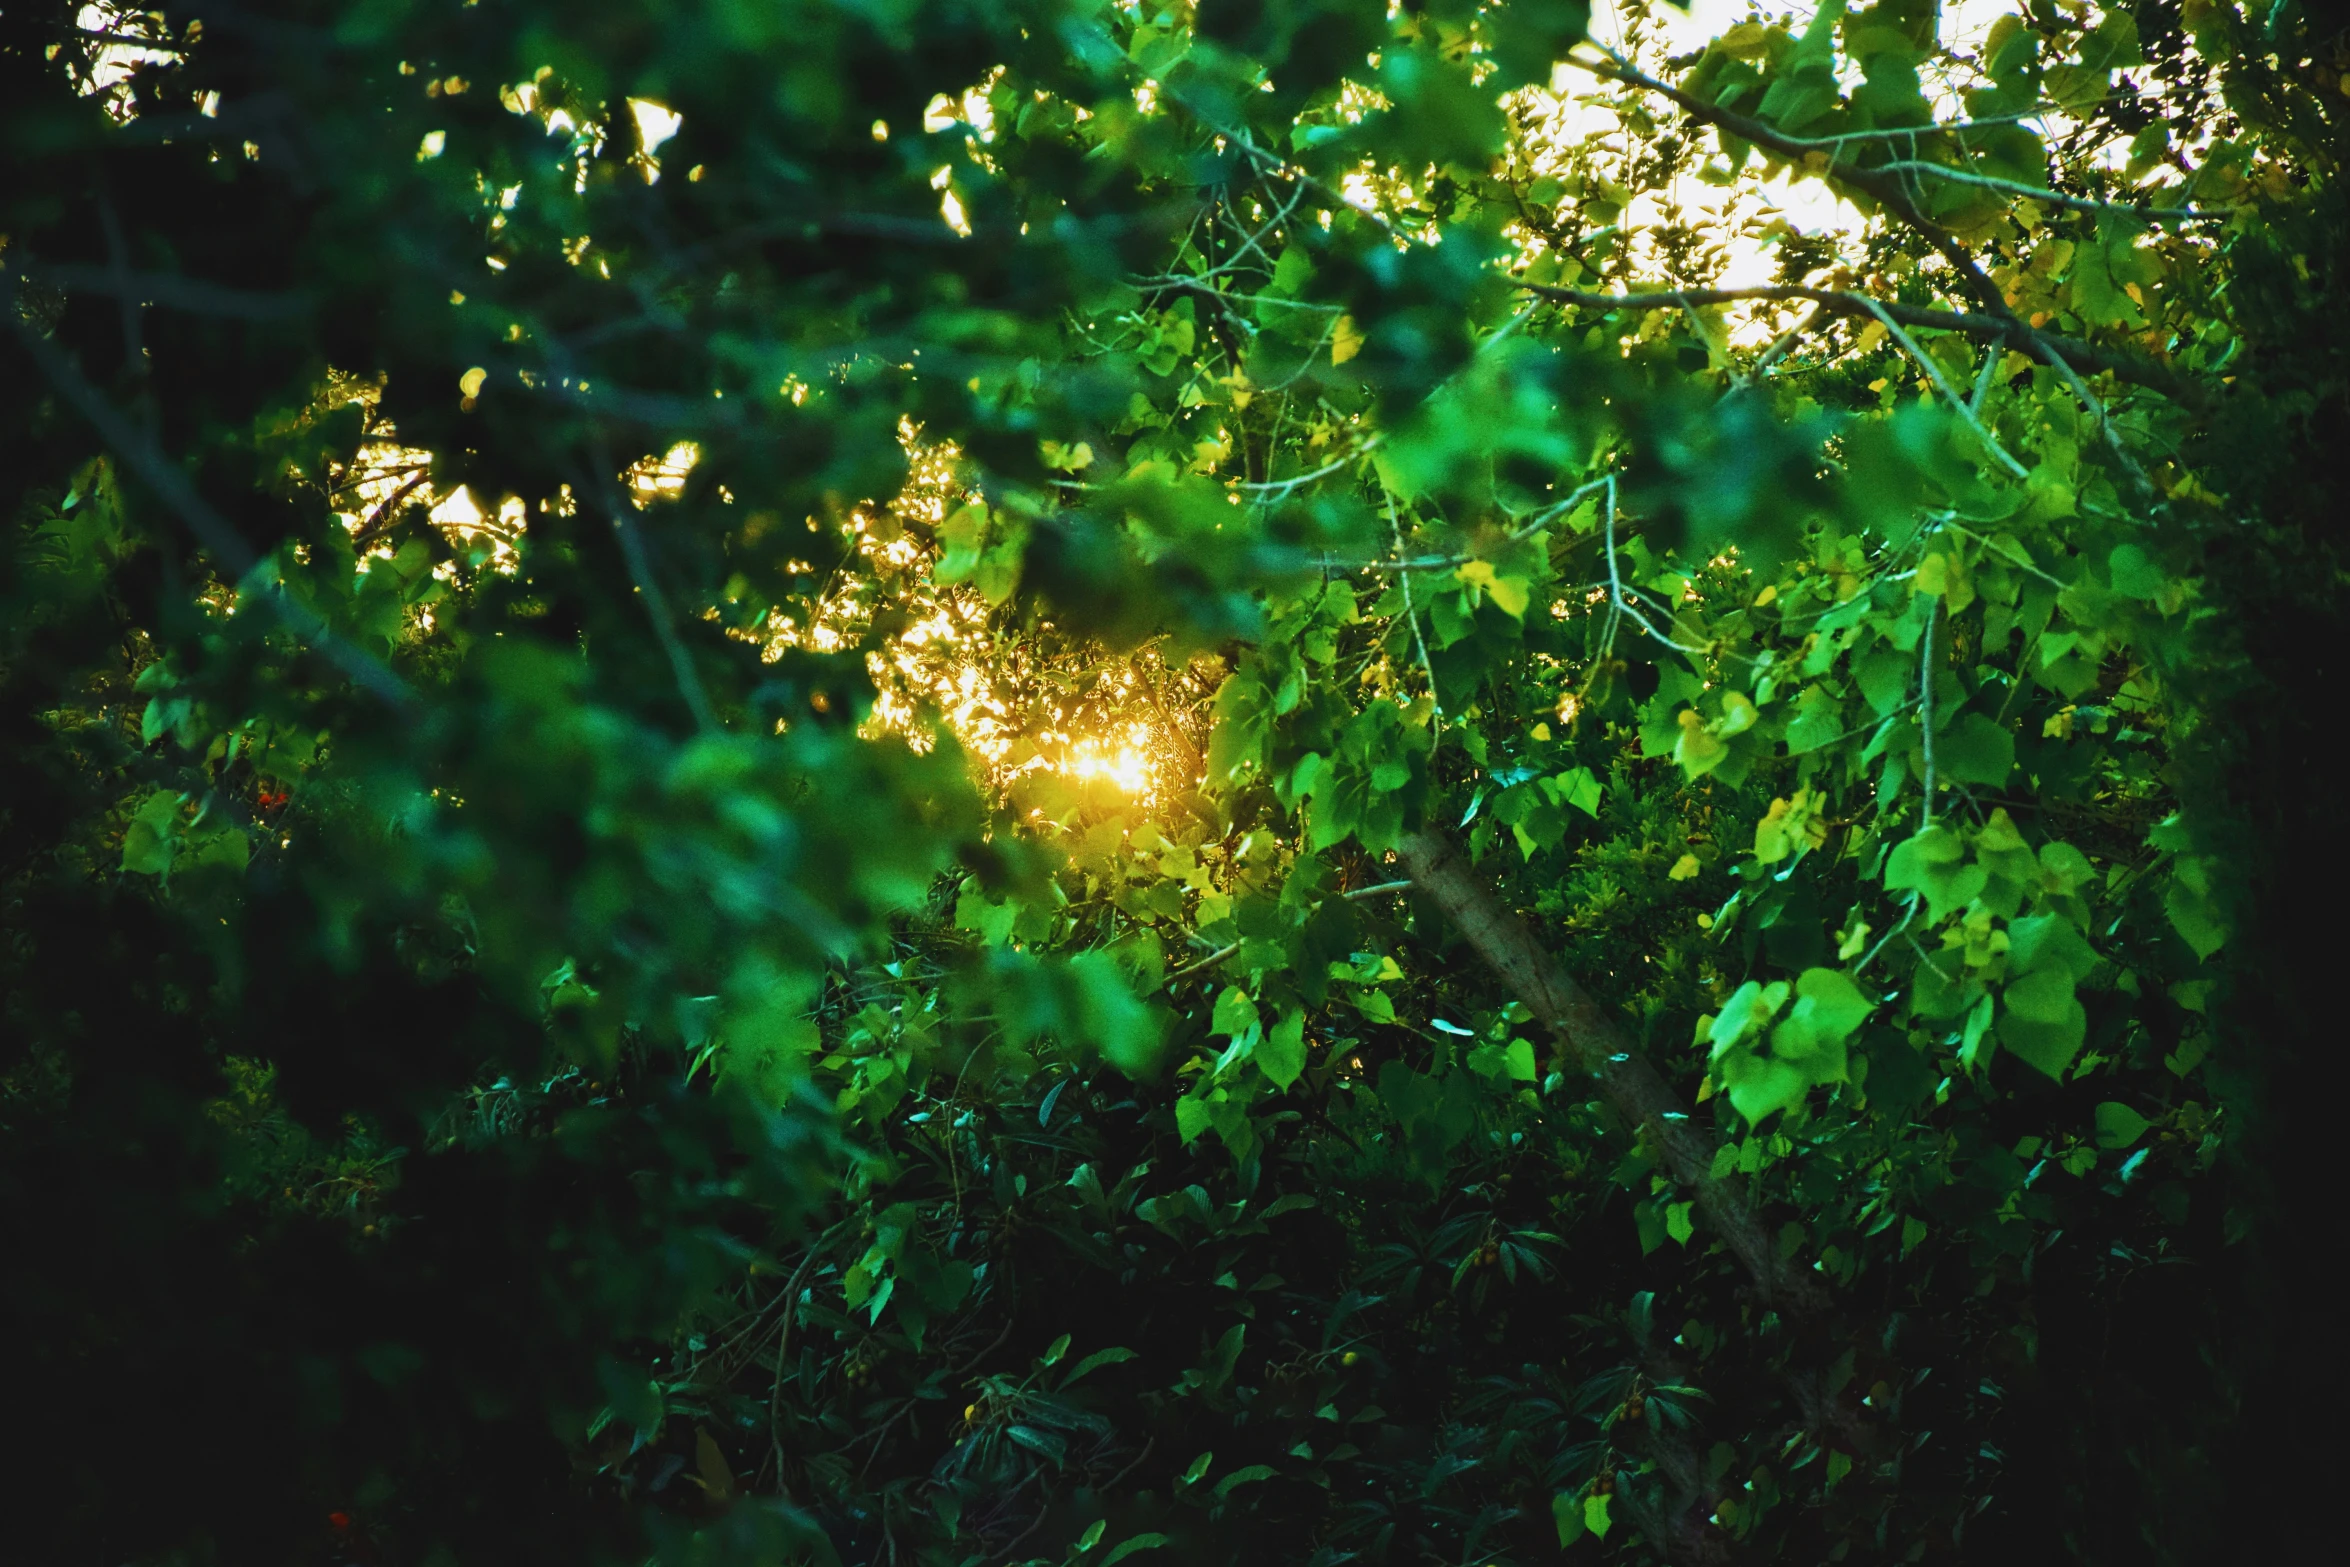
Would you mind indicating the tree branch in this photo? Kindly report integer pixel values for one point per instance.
(170, 291)
(384, 515)
(2128, 209)
(1886, 190)
(1596, 1044)
(2057, 352)
(1965, 409)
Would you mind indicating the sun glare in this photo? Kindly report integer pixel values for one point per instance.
(1125, 764)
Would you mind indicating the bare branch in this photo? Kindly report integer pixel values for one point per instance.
(171, 291)
(2142, 210)
(1295, 481)
(1210, 961)
(381, 517)
(2048, 348)
(1595, 1043)
(1926, 714)
(1886, 190)
(1912, 132)
(1934, 371)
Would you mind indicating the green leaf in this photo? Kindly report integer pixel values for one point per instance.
(1281, 1054)
(1790, 826)
(2193, 912)
(2049, 941)
(1758, 1084)
(1828, 1008)
(1578, 787)
(1974, 750)
(1246, 1475)
(2118, 1125)
(1750, 1006)
(1042, 1442)
(1235, 1013)
(1098, 1359)
(1805, 87)
(1293, 271)
(153, 834)
(1934, 863)
(1696, 747)
(2135, 575)
(1818, 720)
(1566, 1512)
(1595, 1505)
(1518, 1061)
(2042, 1021)
(2064, 867)
(1120, 1024)
(1126, 1548)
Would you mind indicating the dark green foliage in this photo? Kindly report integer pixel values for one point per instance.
(614, 1016)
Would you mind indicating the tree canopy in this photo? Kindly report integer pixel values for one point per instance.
(959, 782)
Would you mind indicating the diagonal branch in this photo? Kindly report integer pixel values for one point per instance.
(2145, 211)
(2058, 352)
(1596, 1044)
(387, 513)
(1886, 190)
(1965, 409)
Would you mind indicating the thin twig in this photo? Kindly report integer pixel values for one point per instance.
(2144, 210)
(1213, 958)
(2045, 347)
(170, 291)
(1911, 132)
(1518, 535)
(681, 665)
(2080, 389)
(1926, 709)
(1427, 666)
(791, 1292)
(381, 517)
(1942, 384)
(1908, 914)
(1284, 486)
(1787, 340)
(1888, 190)
(1621, 603)
(1991, 358)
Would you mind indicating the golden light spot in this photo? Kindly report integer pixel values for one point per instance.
(664, 475)
(1127, 766)
(655, 123)
(458, 509)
